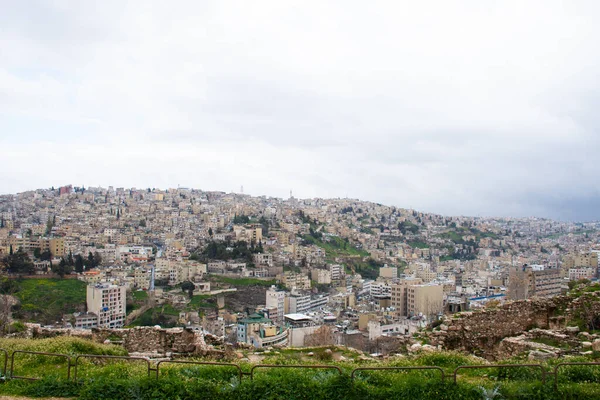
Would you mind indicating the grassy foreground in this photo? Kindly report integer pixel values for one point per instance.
(129, 380)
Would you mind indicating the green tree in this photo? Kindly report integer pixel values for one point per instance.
(46, 255)
(210, 232)
(97, 259)
(241, 219)
(78, 263)
(50, 224)
(91, 262)
(188, 287)
(63, 268)
(18, 263)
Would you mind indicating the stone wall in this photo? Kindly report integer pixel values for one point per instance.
(480, 332)
(148, 340)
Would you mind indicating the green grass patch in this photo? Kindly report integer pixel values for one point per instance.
(243, 281)
(453, 236)
(139, 295)
(200, 301)
(335, 246)
(47, 300)
(418, 244)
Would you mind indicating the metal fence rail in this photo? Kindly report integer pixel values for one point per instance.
(239, 373)
(5, 362)
(124, 358)
(37, 353)
(567, 364)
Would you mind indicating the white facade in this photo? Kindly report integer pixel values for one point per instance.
(108, 302)
(275, 298)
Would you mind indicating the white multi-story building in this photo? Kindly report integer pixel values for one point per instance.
(275, 299)
(108, 303)
(380, 289)
(337, 271)
(298, 303)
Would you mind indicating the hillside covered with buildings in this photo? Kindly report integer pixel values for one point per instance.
(268, 271)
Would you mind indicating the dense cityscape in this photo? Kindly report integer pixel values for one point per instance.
(301, 200)
(275, 272)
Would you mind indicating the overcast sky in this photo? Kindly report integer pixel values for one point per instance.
(479, 107)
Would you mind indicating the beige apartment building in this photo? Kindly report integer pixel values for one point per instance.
(388, 272)
(248, 233)
(412, 297)
(581, 260)
(293, 280)
(426, 274)
(108, 303)
(534, 281)
(57, 247)
(426, 300)
(399, 292)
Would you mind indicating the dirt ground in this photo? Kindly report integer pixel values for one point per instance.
(246, 296)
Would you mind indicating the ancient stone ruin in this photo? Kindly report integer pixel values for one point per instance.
(150, 341)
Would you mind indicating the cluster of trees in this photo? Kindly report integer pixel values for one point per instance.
(17, 262)
(77, 263)
(317, 235)
(407, 226)
(45, 255)
(306, 219)
(230, 251)
(156, 317)
(241, 219)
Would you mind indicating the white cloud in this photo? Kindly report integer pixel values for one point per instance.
(460, 108)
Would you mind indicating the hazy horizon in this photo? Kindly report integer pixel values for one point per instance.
(284, 197)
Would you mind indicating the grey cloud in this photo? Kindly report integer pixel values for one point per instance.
(458, 109)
